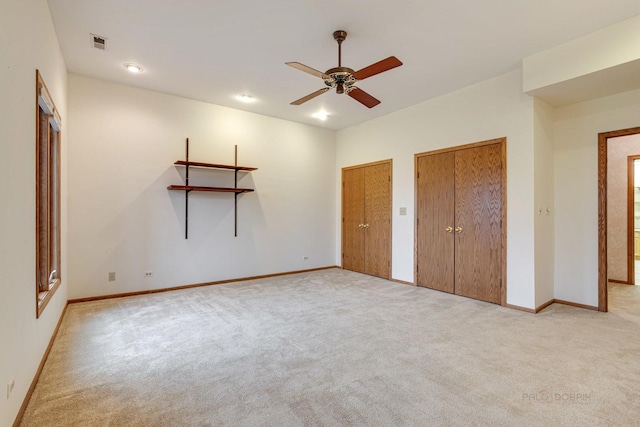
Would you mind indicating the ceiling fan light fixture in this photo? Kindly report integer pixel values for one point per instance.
(133, 68)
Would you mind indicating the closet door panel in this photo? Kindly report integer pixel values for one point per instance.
(435, 199)
(478, 214)
(353, 219)
(377, 219)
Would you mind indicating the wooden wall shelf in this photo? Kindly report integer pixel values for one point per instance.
(213, 165)
(210, 189)
(189, 188)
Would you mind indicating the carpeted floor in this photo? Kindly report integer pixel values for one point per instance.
(624, 301)
(335, 348)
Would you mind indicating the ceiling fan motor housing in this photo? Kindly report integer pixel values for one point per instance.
(341, 78)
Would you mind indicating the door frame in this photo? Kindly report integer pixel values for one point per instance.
(603, 303)
(364, 165)
(503, 148)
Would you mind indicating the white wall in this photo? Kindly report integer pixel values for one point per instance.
(618, 149)
(490, 109)
(605, 49)
(543, 200)
(576, 189)
(27, 42)
(122, 145)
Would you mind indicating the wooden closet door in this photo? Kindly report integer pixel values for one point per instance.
(478, 190)
(435, 200)
(353, 219)
(377, 217)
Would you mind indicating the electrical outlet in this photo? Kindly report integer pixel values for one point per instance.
(112, 276)
(10, 385)
(148, 274)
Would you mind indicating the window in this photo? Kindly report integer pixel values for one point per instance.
(48, 276)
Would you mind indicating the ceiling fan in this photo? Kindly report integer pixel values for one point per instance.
(343, 79)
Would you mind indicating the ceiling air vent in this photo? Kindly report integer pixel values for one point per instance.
(99, 42)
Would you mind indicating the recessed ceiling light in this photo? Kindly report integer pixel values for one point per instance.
(134, 68)
(320, 115)
(246, 98)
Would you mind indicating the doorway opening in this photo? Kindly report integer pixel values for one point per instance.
(633, 215)
(634, 219)
(604, 141)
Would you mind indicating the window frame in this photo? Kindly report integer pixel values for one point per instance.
(48, 200)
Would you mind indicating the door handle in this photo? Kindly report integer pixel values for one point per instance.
(458, 230)
(448, 229)
(366, 225)
(360, 225)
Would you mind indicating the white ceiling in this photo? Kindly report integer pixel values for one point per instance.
(215, 50)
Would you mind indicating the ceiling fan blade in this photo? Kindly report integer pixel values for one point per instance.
(306, 69)
(363, 97)
(310, 96)
(377, 68)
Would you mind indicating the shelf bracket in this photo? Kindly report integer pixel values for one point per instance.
(186, 193)
(235, 195)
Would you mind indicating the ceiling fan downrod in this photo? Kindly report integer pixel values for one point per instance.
(339, 36)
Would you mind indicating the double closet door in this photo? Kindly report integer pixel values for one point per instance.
(459, 220)
(366, 219)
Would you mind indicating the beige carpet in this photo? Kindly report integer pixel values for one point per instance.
(624, 301)
(335, 348)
